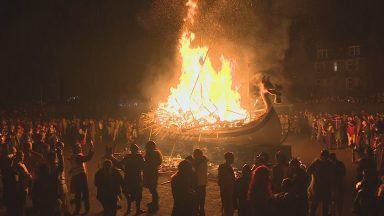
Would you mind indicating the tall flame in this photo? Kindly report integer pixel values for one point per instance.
(203, 95)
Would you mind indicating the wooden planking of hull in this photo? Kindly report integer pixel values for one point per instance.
(264, 131)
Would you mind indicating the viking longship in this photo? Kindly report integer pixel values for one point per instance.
(264, 130)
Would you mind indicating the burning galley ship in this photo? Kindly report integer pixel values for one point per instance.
(205, 108)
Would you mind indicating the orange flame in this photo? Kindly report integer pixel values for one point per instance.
(192, 8)
(203, 95)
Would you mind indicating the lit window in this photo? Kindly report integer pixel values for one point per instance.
(335, 66)
(354, 50)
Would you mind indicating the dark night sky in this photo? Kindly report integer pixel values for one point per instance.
(96, 47)
(80, 43)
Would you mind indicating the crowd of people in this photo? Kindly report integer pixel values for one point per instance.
(32, 168)
(287, 187)
(32, 163)
(373, 99)
(339, 131)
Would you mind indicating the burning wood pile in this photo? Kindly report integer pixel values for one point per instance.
(205, 99)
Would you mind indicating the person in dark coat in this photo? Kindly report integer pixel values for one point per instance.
(183, 184)
(366, 202)
(299, 185)
(241, 191)
(108, 181)
(226, 181)
(45, 192)
(285, 201)
(279, 171)
(132, 165)
(338, 187)
(21, 180)
(32, 159)
(7, 175)
(153, 160)
(322, 172)
(366, 164)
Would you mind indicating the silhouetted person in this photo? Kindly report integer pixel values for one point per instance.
(299, 185)
(366, 164)
(338, 190)
(226, 181)
(260, 192)
(153, 160)
(241, 191)
(32, 159)
(285, 201)
(279, 171)
(108, 181)
(133, 164)
(21, 180)
(45, 192)
(200, 166)
(7, 175)
(366, 203)
(322, 172)
(78, 173)
(380, 195)
(183, 184)
(57, 170)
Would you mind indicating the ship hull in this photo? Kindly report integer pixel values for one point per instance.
(265, 131)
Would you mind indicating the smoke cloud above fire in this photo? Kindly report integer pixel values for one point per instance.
(253, 34)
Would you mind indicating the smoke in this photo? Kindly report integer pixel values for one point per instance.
(253, 34)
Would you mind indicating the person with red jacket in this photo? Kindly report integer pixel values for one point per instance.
(260, 191)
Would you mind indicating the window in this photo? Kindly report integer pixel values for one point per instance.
(349, 84)
(354, 50)
(322, 53)
(349, 65)
(352, 65)
(335, 66)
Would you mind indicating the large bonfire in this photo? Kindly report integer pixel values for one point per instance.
(204, 98)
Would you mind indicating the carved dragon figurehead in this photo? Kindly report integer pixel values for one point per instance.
(268, 88)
